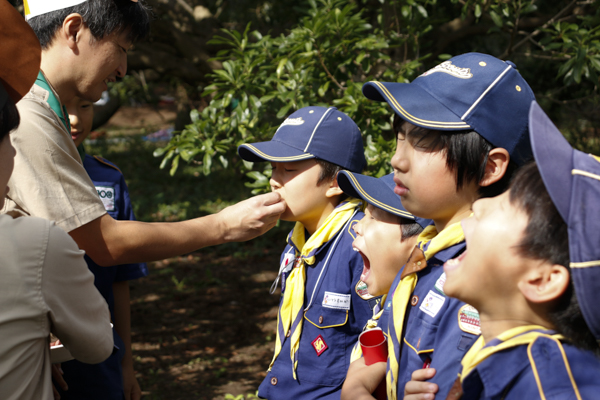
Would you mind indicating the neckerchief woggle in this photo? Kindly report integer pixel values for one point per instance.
(59, 109)
(429, 244)
(291, 312)
(371, 324)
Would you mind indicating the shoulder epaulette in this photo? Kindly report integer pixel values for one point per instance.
(106, 162)
(551, 368)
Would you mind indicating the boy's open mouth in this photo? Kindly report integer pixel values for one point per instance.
(454, 263)
(366, 265)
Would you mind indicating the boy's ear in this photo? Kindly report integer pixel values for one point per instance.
(495, 168)
(71, 27)
(545, 283)
(334, 188)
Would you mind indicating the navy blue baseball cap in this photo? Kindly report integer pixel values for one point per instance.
(471, 91)
(312, 132)
(379, 192)
(572, 179)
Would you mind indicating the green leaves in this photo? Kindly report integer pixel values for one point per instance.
(324, 60)
(336, 47)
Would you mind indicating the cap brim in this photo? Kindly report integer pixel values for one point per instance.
(271, 151)
(415, 105)
(554, 157)
(374, 191)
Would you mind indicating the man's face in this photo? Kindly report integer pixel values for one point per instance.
(99, 62)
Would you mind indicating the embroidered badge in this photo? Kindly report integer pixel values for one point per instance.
(468, 320)
(319, 345)
(432, 303)
(450, 69)
(439, 284)
(336, 300)
(361, 290)
(107, 195)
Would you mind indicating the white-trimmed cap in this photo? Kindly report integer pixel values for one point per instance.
(33, 8)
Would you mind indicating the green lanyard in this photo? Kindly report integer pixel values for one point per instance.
(59, 109)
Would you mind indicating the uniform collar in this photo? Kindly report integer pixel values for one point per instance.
(56, 106)
(496, 373)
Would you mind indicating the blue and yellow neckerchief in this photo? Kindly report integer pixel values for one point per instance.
(58, 108)
(429, 244)
(291, 311)
(522, 335)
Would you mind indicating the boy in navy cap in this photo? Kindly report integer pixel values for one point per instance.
(461, 130)
(385, 236)
(323, 306)
(532, 269)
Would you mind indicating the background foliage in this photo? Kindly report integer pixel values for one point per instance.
(337, 45)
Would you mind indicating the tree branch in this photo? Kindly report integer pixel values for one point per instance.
(327, 71)
(537, 31)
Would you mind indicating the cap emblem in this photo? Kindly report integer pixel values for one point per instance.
(292, 121)
(450, 69)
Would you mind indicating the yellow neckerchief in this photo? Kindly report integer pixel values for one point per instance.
(289, 318)
(434, 242)
(372, 323)
(518, 336)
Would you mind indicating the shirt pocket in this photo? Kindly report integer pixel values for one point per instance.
(324, 358)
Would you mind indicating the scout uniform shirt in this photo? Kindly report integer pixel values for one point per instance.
(332, 316)
(45, 288)
(49, 180)
(528, 362)
(104, 381)
(438, 329)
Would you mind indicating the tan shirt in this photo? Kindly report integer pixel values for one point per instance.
(49, 180)
(45, 287)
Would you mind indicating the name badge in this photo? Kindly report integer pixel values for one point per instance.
(432, 303)
(336, 300)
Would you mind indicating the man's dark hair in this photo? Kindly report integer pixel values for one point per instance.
(102, 17)
(329, 170)
(466, 155)
(9, 118)
(546, 238)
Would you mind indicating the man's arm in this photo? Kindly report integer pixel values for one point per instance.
(111, 242)
(362, 380)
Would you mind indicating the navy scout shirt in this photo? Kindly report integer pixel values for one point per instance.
(438, 329)
(545, 369)
(321, 373)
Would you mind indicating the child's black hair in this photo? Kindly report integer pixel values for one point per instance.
(328, 170)
(546, 238)
(409, 228)
(9, 118)
(466, 154)
(102, 17)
